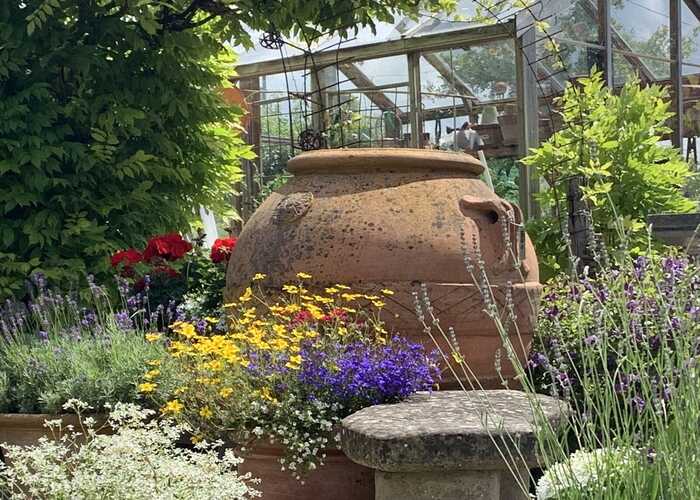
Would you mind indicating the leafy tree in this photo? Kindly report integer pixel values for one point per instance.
(112, 127)
(612, 142)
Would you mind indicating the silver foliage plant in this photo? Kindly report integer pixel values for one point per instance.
(139, 461)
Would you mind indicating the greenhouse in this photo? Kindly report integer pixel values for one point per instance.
(360, 250)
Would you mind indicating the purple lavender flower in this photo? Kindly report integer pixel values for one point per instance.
(537, 359)
(591, 340)
(43, 336)
(638, 404)
(123, 320)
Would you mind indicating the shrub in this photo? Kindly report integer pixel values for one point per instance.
(289, 371)
(112, 127)
(140, 461)
(56, 348)
(612, 141)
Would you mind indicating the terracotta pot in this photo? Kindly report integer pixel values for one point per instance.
(23, 429)
(392, 218)
(338, 479)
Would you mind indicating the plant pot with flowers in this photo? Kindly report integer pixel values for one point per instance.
(278, 381)
(56, 347)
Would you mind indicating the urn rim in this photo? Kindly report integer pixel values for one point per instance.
(363, 160)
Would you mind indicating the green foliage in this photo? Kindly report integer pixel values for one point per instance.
(612, 141)
(622, 349)
(42, 376)
(110, 130)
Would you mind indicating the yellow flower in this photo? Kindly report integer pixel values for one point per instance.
(351, 296)
(279, 344)
(280, 330)
(247, 295)
(378, 303)
(225, 392)
(181, 390)
(153, 337)
(294, 362)
(387, 292)
(151, 374)
(342, 287)
(265, 393)
(214, 365)
(230, 304)
(259, 276)
(174, 407)
(185, 329)
(323, 300)
(206, 413)
(153, 362)
(349, 310)
(342, 330)
(332, 290)
(458, 357)
(211, 320)
(147, 387)
(291, 289)
(303, 276)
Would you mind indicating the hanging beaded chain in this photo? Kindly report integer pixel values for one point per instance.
(271, 40)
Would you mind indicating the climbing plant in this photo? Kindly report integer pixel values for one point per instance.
(112, 127)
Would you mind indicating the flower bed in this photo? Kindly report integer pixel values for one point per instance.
(289, 371)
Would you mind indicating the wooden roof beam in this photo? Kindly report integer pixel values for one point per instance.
(361, 80)
(439, 63)
(402, 46)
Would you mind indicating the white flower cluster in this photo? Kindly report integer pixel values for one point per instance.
(140, 461)
(304, 428)
(582, 471)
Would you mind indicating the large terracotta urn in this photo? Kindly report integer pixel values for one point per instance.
(338, 478)
(395, 219)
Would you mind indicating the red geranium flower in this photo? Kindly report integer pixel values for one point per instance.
(166, 246)
(127, 257)
(222, 248)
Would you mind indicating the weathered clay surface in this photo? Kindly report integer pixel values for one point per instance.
(392, 218)
(447, 430)
(338, 479)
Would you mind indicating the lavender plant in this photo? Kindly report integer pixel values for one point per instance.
(57, 346)
(622, 349)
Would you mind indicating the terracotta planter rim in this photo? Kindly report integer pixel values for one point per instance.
(36, 420)
(350, 160)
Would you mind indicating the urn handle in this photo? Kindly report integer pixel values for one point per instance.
(510, 218)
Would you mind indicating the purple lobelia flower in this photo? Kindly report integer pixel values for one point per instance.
(360, 374)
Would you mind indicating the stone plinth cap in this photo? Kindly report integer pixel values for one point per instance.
(447, 430)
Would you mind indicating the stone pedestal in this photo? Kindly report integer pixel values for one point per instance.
(449, 445)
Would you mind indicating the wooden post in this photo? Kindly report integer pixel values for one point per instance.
(676, 71)
(579, 225)
(416, 111)
(528, 120)
(251, 168)
(605, 39)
